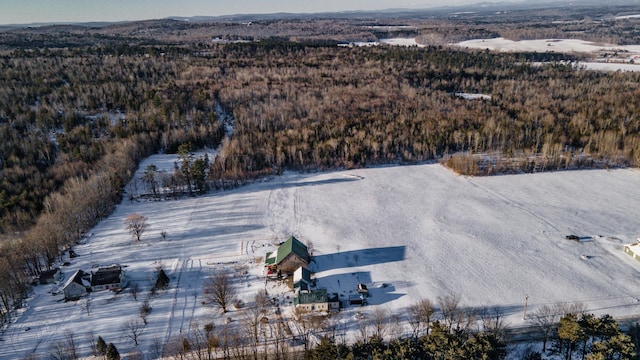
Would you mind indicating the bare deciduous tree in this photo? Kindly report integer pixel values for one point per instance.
(150, 179)
(493, 321)
(87, 305)
(420, 316)
(546, 318)
(305, 324)
(134, 290)
(91, 338)
(380, 322)
(449, 308)
(145, 309)
(156, 350)
(133, 329)
(136, 224)
(455, 318)
(254, 315)
(65, 350)
(219, 290)
(70, 340)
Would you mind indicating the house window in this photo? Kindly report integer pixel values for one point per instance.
(313, 307)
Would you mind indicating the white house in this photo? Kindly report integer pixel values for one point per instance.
(76, 286)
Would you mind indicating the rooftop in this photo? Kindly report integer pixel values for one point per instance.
(314, 297)
(292, 245)
(106, 275)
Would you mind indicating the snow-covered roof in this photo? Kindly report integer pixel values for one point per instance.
(78, 277)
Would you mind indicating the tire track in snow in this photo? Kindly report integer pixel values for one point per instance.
(189, 279)
(515, 204)
(297, 213)
(180, 270)
(175, 302)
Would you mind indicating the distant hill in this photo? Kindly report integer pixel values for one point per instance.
(393, 13)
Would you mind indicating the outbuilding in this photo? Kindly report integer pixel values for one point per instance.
(77, 285)
(50, 276)
(290, 255)
(302, 279)
(633, 250)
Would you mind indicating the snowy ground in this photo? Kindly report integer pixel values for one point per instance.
(622, 61)
(409, 233)
(623, 57)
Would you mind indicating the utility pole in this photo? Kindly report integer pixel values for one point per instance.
(526, 300)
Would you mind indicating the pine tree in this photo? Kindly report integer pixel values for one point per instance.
(163, 280)
(101, 346)
(112, 352)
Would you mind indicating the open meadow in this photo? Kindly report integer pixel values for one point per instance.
(407, 232)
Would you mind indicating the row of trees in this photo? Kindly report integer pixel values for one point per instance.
(428, 330)
(301, 106)
(299, 109)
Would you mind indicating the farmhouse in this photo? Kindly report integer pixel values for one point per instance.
(50, 276)
(290, 255)
(76, 286)
(107, 278)
(318, 300)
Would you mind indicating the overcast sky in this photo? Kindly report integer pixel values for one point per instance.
(33, 11)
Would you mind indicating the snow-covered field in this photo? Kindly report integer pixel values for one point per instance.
(624, 53)
(543, 45)
(408, 232)
(627, 57)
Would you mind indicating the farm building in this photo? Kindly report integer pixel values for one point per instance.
(107, 278)
(302, 279)
(357, 300)
(50, 276)
(633, 250)
(318, 300)
(290, 255)
(362, 290)
(76, 286)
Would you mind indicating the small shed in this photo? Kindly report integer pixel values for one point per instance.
(633, 250)
(362, 289)
(76, 286)
(357, 300)
(50, 276)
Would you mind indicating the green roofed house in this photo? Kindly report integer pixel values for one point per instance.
(290, 255)
(318, 300)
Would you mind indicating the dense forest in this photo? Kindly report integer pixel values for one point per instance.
(79, 111)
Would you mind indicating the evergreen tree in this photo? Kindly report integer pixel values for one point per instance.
(112, 352)
(101, 346)
(162, 281)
